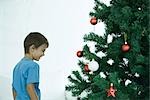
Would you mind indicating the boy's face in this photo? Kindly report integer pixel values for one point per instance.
(39, 52)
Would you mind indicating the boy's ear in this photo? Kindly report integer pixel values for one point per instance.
(32, 47)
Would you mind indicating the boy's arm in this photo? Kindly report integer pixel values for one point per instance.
(31, 92)
(14, 93)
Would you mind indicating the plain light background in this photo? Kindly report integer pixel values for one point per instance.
(63, 22)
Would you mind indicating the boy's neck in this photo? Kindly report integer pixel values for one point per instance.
(28, 56)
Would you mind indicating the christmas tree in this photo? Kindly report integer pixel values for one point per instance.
(122, 73)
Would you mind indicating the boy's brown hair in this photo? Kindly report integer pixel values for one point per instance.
(36, 39)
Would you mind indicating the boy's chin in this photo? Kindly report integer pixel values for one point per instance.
(37, 59)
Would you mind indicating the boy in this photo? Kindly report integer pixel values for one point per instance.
(26, 72)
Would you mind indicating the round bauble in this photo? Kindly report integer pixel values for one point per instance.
(93, 21)
(86, 68)
(125, 47)
(79, 53)
(93, 65)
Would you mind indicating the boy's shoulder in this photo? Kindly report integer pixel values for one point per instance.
(28, 62)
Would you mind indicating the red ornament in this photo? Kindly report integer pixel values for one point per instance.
(80, 53)
(93, 21)
(125, 47)
(86, 68)
(111, 91)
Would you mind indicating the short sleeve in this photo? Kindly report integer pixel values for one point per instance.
(33, 74)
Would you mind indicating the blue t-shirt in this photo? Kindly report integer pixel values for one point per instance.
(25, 72)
